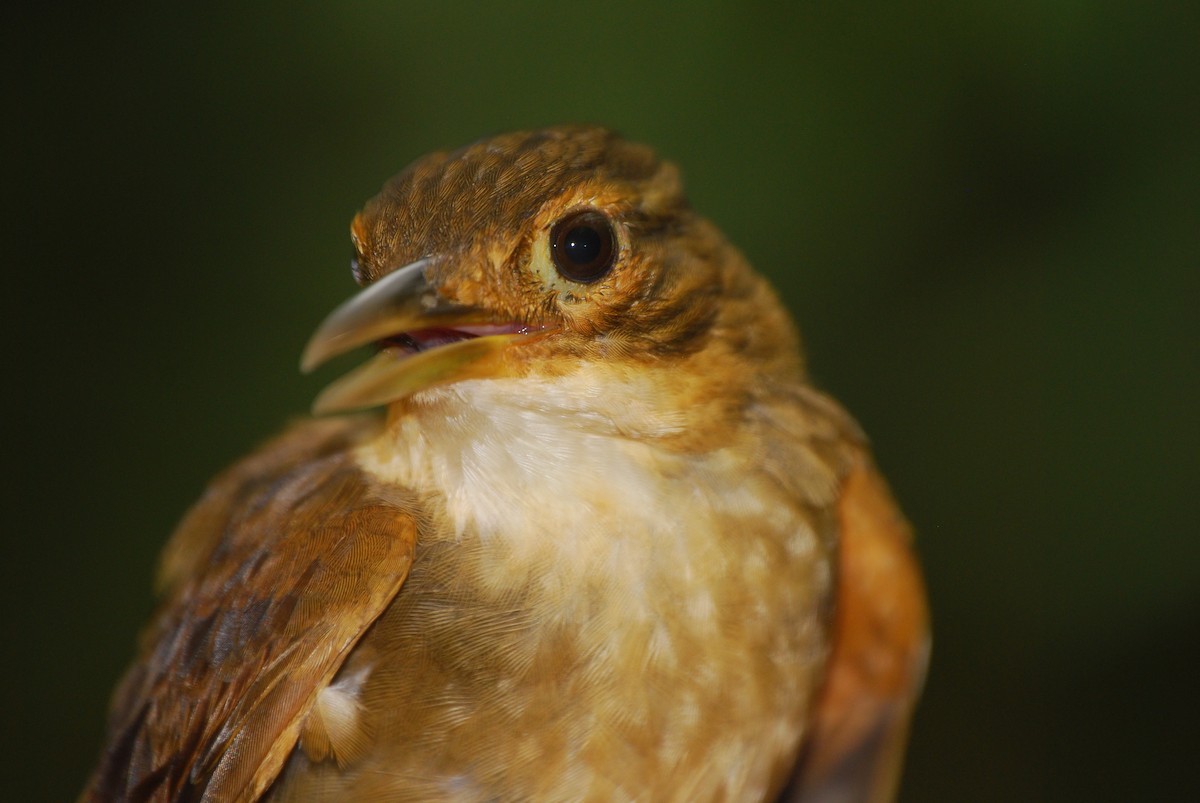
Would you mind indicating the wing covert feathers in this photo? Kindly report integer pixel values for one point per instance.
(268, 583)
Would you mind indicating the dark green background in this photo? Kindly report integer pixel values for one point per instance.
(986, 220)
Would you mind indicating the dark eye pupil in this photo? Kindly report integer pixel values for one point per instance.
(583, 246)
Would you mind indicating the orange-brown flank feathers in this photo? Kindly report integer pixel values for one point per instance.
(880, 649)
(607, 542)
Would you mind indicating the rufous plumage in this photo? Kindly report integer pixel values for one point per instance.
(605, 542)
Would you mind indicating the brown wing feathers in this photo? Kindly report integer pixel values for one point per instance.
(270, 581)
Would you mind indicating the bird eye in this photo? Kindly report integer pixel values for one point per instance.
(583, 246)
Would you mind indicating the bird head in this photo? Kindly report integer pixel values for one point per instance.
(537, 254)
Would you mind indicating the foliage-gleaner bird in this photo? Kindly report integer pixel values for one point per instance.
(606, 542)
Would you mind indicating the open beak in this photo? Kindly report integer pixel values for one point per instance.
(425, 339)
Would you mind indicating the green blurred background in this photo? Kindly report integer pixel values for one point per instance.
(985, 218)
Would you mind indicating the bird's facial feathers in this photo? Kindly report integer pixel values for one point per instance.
(526, 254)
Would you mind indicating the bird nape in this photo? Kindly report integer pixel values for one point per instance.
(604, 542)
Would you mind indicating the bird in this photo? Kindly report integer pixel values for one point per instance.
(581, 528)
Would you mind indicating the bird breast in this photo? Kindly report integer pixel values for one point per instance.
(589, 615)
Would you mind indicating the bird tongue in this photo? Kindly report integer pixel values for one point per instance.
(424, 339)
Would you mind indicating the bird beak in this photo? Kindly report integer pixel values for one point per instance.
(427, 341)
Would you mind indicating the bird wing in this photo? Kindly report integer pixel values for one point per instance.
(880, 651)
(268, 583)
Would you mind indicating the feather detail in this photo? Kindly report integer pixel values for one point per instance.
(295, 555)
(880, 652)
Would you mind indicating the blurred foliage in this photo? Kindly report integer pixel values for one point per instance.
(985, 217)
